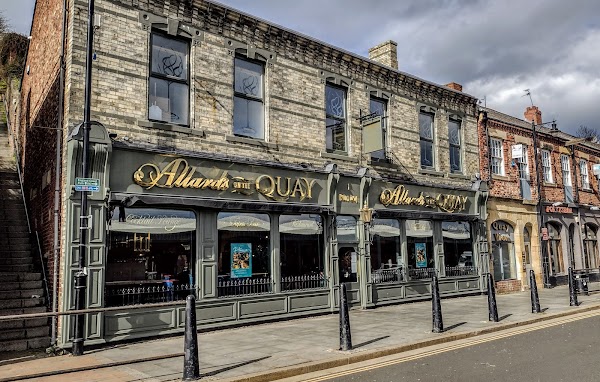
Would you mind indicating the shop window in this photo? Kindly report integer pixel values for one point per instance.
(244, 254)
(497, 156)
(335, 118)
(386, 260)
(151, 255)
(169, 99)
(555, 249)
(585, 178)
(454, 140)
(426, 139)
(248, 100)
(419, 241)
(590, 247)
(301, 251)
(378, 107)
(547, 166)
(458, 249)
(503, 251)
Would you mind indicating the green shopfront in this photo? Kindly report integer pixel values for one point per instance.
(256, 242)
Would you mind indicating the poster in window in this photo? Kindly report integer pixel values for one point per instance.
(421, 255)
(241, 260)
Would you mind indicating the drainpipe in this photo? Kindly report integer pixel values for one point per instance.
(57, 171)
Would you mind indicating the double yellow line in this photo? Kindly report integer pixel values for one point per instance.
(462, 344)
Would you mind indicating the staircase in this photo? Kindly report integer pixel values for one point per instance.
(21, 285)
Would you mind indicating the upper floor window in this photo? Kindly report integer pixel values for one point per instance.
(455, 143)
(378, 106)
(169, 99)
(335, 118)
(497, 156)
(585, 179)
(523, 164)
(547, 166)
(426, 139)
(566, 170)
(248, 100)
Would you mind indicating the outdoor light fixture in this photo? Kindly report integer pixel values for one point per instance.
(366, 214)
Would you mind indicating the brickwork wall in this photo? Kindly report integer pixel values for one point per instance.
(508, 286)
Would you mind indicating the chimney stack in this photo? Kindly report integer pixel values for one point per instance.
(455, 86)
(385, 53)
(532, 113)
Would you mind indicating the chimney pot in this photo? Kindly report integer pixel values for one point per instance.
(385, 53)
(455, 86)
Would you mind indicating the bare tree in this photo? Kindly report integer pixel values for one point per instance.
(590, 134)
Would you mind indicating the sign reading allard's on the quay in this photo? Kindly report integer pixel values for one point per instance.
(142, 173)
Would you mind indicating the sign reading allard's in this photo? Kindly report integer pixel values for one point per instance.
(205, 178)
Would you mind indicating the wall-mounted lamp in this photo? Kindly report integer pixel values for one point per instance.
(366, 214)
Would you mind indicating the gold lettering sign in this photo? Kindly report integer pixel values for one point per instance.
(178, 173)
(445, 202)
(348, 198)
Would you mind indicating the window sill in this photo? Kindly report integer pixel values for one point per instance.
(589, 190)
(251, 141)
(340, 156)
(426, 171)
(530, 202)
(457, 175)
(546, 184)
(171, 127)
(499, 177)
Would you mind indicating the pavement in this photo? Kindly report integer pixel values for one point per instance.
(271, 351)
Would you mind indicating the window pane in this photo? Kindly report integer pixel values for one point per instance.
(386, 261)
(244, 253)
(302, 252)
(168, 101)
(454, 158)
(419, 239)
(458, 248)
(151, 255)
(379, 107)
(335, 136)
(169, 57)
(335, 102)
(426, 125)
(454, 132)
(248, 118)
(346, 228)
(248, 78)
(426, 154)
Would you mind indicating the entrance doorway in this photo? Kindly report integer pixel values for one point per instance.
(348, 257)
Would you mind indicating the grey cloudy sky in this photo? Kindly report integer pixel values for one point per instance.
(494, 49)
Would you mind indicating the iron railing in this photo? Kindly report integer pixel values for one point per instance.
(244, 286)
(383, 276)
(461, 271)
(123, 296)
(421, 273)
(303, 282)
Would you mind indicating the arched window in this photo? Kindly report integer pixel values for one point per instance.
(590, 247)
(503, 251)
(555, 249)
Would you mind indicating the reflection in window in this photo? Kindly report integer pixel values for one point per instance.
(168, 91)
(458, 249)
(151, 253)
(248, 102)
(426, 136)
(244, 254)
(335, 118)
(302, 252)
(386, 261)
(555, 249)
(419, 241)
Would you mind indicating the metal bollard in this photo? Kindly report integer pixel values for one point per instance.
(572, 292)
(492, 307)
(191, 368)
(345, 334)
(535, 300)
(436, 307)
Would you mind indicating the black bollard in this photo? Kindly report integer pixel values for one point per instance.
(492, 307)
(436, 307)
(345, 335)
(535, 300)
(572, 291)
(191, 368)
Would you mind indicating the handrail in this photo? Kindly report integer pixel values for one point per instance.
(18, 164)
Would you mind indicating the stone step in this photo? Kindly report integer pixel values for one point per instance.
(11, 240)
(17, 311)
(20, 345)
(16, 247)
(25, 333)
(14, 285)
(7, 254)
(20, 268)
(20, 293)
(17, 303)
(16, 276)
(22, 324)
(16, 260)
(13, 235)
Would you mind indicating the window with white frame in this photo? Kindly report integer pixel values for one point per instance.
(454, 144)
(523, 164)
(426, 139)
(547, 166)
(566, 170)
(497, 156)
(248, 100)
(585, 178)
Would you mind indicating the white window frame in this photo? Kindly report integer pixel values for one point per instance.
(565, 165)
(585, 177)
(497, 152)
(523, 163)
(547, 166)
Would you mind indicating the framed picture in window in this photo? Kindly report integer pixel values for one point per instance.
(241, 260)
(421, 255)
